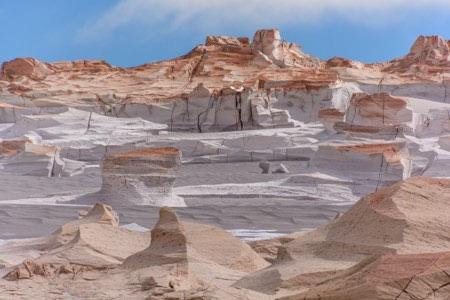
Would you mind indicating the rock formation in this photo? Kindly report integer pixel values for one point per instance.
(176, 242)
(23, 157)
(187, 260)
(340, 62)
(351, 254)
(377, 115)
(324, 134)
(281, 169)
(94, 242)
(224, 41)
(420, 276)
(265, 167)
(381, 163)
(428, 55)
(269, 44)
(25, 67)
(329, 117)
(141, 177)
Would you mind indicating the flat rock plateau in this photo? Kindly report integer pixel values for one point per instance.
(245, 169)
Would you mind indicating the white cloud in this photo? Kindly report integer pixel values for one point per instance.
(222, 14)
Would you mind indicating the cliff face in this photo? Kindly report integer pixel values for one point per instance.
(278, 97)
(268, 74)
(221, 62)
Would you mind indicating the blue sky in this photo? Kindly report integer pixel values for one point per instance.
(133, 32)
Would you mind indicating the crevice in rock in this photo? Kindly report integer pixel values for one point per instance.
(403, 291)
(238, 105)
(89, 123)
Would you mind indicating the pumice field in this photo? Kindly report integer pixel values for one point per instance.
(244, 169)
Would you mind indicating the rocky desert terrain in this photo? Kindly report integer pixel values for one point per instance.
(245, 169)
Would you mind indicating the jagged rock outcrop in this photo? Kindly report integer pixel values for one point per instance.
(222, 62)
(340, 62)
(430, 50)
(36, 70)
(377, 110)
(272, 48)
(25, 67)
(89, 66)
(429, 55)
(141, 177)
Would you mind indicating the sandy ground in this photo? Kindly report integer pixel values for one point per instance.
(247, 217)
(260, 217)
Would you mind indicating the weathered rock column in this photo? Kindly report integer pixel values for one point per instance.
(141, 177)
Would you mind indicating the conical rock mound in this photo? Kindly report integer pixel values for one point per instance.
(174, 241)
(168, 243)
(93, 242)
(186, 257)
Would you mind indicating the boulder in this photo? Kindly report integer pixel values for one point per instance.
(340, 62)
(265, 167)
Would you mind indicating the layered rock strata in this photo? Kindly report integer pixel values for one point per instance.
(92, 243)
(141, 177)
(24, 157)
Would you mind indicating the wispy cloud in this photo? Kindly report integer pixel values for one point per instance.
(223, 14)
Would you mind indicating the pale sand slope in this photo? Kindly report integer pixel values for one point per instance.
(182, 260)
(405, 224)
